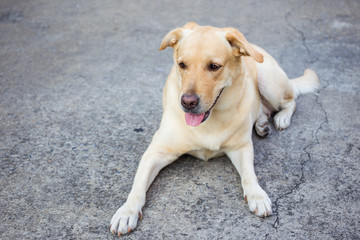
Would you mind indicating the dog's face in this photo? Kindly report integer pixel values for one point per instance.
(207, 60)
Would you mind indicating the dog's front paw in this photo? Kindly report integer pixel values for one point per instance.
(258, 201)
(125, 219)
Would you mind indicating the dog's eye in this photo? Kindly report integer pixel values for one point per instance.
(214, 67)
(182, 65)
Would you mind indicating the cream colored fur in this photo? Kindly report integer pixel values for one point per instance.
(253, 86)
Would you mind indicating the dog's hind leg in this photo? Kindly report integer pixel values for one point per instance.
(280, 92)
(306, 83)
(282, 119)
(309, 82)
(262, 126)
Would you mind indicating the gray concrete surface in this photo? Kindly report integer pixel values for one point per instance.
(80, 98)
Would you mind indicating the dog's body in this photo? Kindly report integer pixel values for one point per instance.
(219, 87)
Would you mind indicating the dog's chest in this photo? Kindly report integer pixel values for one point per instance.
(208, 146)
(205, 154)
(215, 140)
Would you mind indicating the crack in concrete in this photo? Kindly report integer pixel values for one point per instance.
(313, 59)
(302, 178)
(303, 38)
(307, 152)
(293, 189)
(267, 235)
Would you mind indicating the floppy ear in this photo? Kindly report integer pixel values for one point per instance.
(171, 39)
(241, 47)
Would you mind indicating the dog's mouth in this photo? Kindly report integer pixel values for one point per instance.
(194, 120)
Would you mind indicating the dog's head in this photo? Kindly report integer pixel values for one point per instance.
(207, 60)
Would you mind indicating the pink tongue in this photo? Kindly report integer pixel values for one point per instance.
(194, 119)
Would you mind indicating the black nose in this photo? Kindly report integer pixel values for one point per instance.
(189, 101)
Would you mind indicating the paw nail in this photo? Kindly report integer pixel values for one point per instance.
(245, 199)
(113, 232)
(119, 234)
(140, 216)
(129, 229)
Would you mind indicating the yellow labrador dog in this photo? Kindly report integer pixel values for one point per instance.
(219, 87)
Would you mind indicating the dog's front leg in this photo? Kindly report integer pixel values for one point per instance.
(258, 200)
(156, 157)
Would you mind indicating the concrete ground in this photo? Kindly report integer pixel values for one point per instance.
(80, 98)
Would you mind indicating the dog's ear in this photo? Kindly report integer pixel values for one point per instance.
(171, 39)
(241, 47)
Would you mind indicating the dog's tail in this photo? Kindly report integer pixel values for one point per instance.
(307, 83)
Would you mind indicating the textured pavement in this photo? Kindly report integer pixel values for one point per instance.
(80, 98)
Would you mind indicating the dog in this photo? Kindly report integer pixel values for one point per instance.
(219, 87)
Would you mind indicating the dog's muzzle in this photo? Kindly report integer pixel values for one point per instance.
(189, 104)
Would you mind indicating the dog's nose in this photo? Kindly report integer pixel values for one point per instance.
(189, 101)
